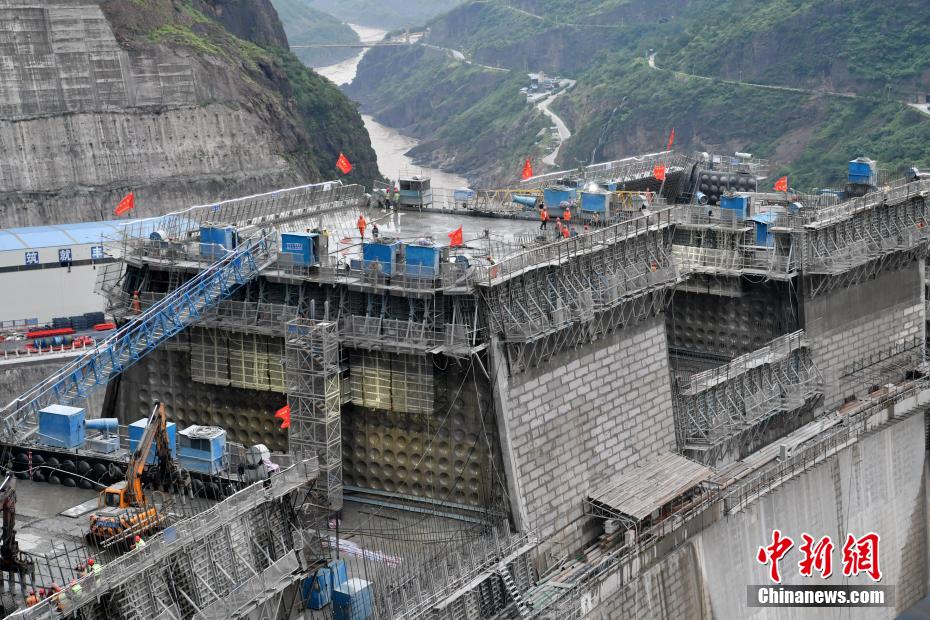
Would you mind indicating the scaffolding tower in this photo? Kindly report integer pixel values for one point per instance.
(313, 395)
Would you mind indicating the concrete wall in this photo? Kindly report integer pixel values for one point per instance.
(876, 485)
(853, 324)
(587, 414)
(16, 379)
(83, 120)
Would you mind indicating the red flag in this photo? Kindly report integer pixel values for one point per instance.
(284, 414)
(658, 171)
(127, 204)
(671, 140)
(344, 165)
(527, 170)
(781, 185)
(455, 237)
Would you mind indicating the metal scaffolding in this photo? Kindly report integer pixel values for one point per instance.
(313, 395)
(734, 401)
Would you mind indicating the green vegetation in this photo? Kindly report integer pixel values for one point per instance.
(180, 34)
(620, 106)
(471, 117)
(385, 14)
(306, 25)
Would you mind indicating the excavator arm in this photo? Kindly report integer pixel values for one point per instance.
(156, 429)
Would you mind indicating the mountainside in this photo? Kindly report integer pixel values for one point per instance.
(159, 97)
(809, 84)
(306, 25)
(385, 14)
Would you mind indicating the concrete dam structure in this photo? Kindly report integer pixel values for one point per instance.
(610, 424)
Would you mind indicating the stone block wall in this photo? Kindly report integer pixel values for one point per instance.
(588, 414)
(854, 331)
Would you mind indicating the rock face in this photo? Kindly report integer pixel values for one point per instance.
(97, 99)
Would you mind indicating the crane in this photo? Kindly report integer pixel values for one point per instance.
(122, 508)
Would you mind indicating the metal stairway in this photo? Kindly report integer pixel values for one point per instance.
(139, 337)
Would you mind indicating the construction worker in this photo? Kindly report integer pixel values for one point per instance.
(42, 596)
(75, 587)
(95, 567)
(361, 224)
(558, 227)
(136, 303)
(543, 218)
(32, 599)
(597, 219)
(59, 597)
(374, 230)
(80, 569)
(567, 216)
(565, 232)
(139, 542)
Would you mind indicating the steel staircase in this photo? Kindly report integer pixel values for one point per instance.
(139, 337)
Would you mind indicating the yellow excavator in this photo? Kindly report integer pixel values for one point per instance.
(122, 509)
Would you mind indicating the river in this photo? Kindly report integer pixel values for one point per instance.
(389, 145)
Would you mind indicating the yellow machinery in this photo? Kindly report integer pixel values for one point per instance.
(122, 508)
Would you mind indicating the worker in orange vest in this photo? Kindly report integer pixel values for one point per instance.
(543, 218)
(361, 225)
(568, 214)
(565, 232)
(136, 303)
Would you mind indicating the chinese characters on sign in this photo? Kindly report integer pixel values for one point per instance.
(32, 258)
(860, 555)
(64, 255)
(96, 252)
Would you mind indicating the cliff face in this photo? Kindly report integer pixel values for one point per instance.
(100, 98)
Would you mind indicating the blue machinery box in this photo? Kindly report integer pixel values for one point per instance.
(61, 426)
(553, 197)
(318, 589)
(137, 428)
(217, 241)
(384, 254)
(862, 171)
(739, 204)
(422, 260)
(352, 600)
(596, 202)
(301, 247)
(202, 448)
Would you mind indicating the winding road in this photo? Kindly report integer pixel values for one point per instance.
(564, 132)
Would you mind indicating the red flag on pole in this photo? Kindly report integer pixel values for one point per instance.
(125, 205)
(527, 170)
(658, 171)
(671, 140)
(284, 414)
(781, 185)
(344, 165)
(455, 237)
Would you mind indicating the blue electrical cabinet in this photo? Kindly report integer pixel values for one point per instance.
(763, 223)
(862, 171)
(739, 204)
(137, 428)
(596, 202)
(352, 600)
(555, 196)
(61, 426)
(382, 253)
(339, 573)
(202, 449)
(217, 241)
(300, 248)
(318, 589)
(422, 260)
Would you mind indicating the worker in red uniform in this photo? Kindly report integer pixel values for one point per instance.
(32, 599)
(361, 224)
(565, 232)
(543, 218)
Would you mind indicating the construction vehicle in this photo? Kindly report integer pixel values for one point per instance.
(123, 510)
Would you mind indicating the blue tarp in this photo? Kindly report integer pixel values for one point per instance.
(34, 237)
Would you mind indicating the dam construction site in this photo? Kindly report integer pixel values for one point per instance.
(520, 424)
(275, 384)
